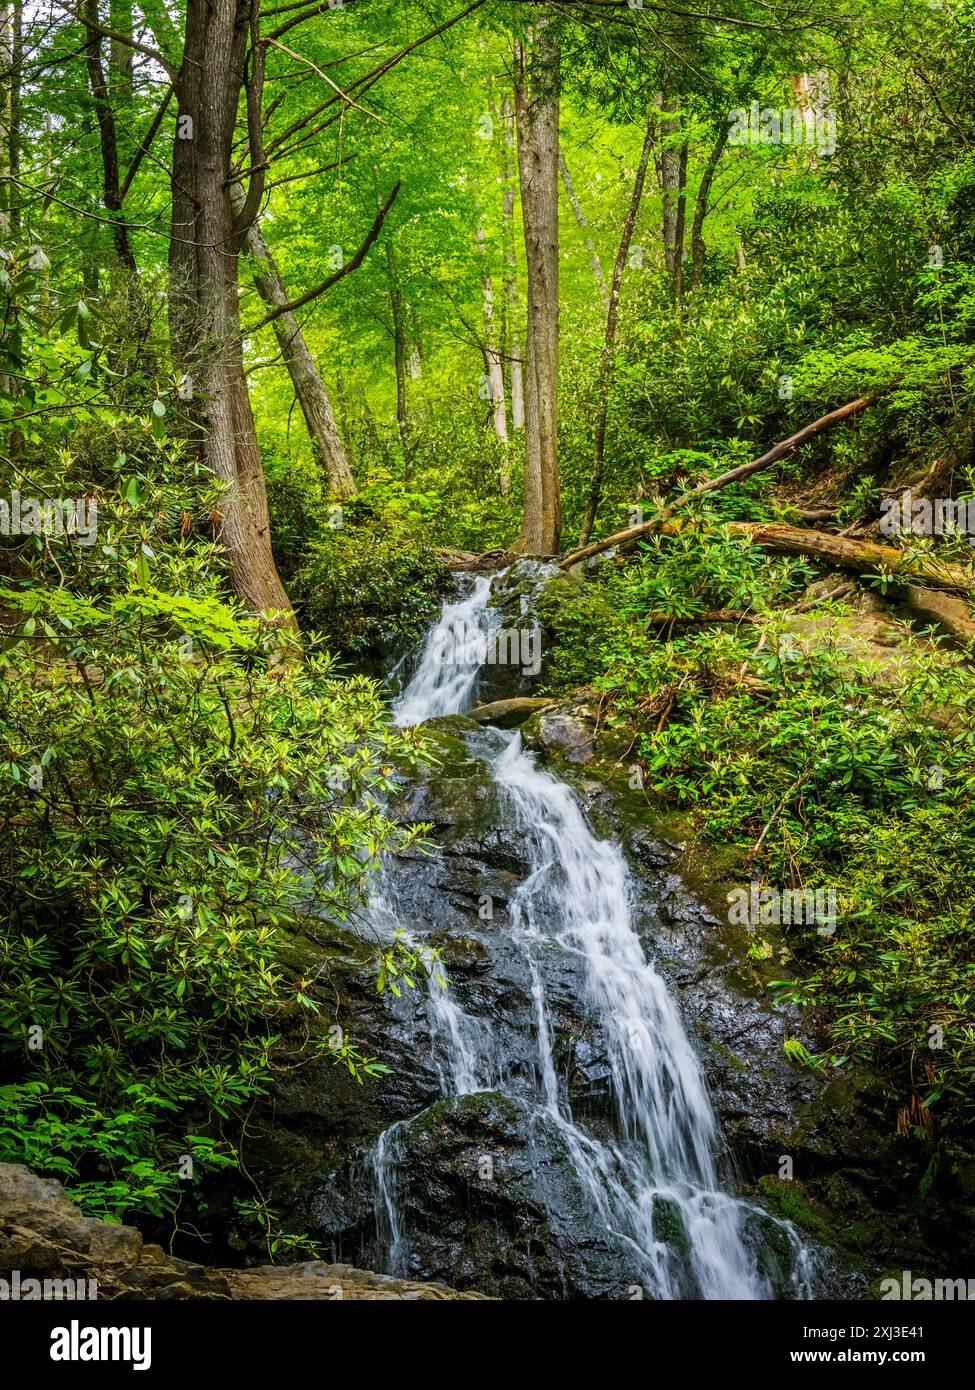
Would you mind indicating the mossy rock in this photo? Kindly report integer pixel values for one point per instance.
(668, 1225)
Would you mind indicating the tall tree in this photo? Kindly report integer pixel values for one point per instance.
(308, 386)
(609, 338)
(222, 56)
(537, 116)
(493, 364)
(108, 136)
(516, 373)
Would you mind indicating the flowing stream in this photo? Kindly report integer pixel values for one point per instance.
(576, 901)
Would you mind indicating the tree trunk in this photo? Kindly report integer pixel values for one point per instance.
(671, 184)
(537, 114)
(609, 340)
(397, 310)
(6, 89)
(698, 249)
(13, 133)
(583, 221)
(308, 386)
(516, 369)
(108, 140)
(493, 364)
(680, 223)
(203, 298)
(14, 28)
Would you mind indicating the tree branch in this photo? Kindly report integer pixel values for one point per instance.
(346, 269)
(125, 39)
(254, 87)
(143, 149)
(734, 475)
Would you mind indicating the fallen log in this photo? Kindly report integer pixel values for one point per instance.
(856, 555)
(733, 475)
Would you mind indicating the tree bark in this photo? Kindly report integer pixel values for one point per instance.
(583, 221)
(6, 90)
(203, 299)
(673, 176)
(493, 364)
(609, 339)
(680, 223)
(537, 114)
(308, 386)
(398, 312)
(15, 107)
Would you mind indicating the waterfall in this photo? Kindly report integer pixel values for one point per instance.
(577, 900)
(453, 653)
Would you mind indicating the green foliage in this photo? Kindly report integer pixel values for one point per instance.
(370, 586)
(176, 797)
(827, 773)
(178, 793)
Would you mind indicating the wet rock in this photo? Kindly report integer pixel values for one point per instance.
(486, 1189)
(48, 1249)
(310, 1149)
(566, 730)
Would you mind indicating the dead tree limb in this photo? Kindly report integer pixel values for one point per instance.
(733, 475)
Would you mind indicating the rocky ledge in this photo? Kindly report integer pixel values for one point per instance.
(49, 1249)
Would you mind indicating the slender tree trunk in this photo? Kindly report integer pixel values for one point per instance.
(108, 140)
(698, 250)
(493, 365)
(512, 306)
(609, 339)
(6, 83)
(13, 136)
(415, 357)
(679, 227)
(6, 86)
(203, 299)
(15, 438)
(673, 177)
(537, 113)
(398, 312)
(308, 386)
(583, 221)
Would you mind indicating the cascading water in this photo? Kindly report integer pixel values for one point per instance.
(453, 653)
(576, 900)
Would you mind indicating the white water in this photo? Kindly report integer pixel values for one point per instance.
(577, 898)
(453, 653)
